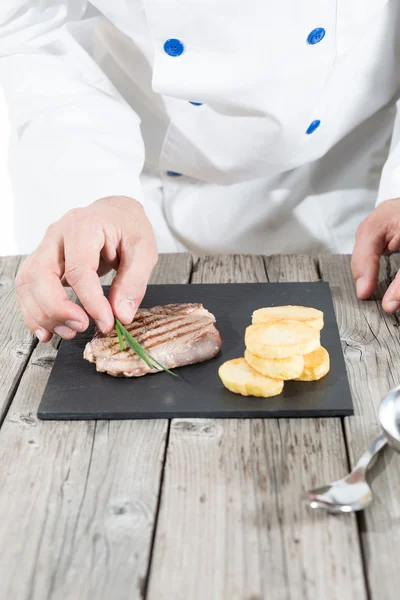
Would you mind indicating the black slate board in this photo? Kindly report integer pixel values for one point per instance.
(76, 391)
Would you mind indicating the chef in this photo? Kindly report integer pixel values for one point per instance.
(214, 127)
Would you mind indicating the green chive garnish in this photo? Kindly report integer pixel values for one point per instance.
(119, 334)
(150, 361)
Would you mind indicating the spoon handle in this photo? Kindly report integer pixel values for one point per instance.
(367, 459)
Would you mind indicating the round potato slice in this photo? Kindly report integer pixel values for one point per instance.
(311, 316)
(277, 368)
(238, 377)
(281, 339)
(316, 365)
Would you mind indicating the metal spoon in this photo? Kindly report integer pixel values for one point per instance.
(352, 493)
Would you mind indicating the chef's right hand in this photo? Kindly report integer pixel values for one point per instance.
(86, 243)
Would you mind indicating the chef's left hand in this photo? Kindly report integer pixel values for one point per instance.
(378, 234)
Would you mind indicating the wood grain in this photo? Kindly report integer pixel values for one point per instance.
(231, 524)
(292, 268)
(78, 500)
(16, 342)
(172, 268)
(370, 340)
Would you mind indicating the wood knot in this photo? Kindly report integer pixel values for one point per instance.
(203, 427)
(21, 420)
(119, 510)
(129, 510)
(352, 350)
(45, 362)
(23, 349)
(28, 419)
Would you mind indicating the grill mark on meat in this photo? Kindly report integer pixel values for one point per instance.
(147, 317)
(176, 337)
(159, 338)
(188, 307)
(144, 320)
(171, 308)
(142, 334)
(132, 354)
(159, 326)
(169, 328)
(155, 326)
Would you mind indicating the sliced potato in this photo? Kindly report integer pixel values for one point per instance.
(238, 377)
(311, 316)
(281, 339)
(316, 365)
(277, 368)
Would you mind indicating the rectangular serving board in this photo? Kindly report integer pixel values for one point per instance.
(75, 389)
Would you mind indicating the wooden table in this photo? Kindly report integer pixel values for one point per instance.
(197, 509)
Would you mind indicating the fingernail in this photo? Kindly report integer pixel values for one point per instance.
(75, 325)
(104, 328)
(127, 309)
(361, 284)
(64, 332)
(40, 333)
(393, 305)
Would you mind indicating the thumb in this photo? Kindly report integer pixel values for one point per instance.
(369, 247)
(391, 300)
(130, 282)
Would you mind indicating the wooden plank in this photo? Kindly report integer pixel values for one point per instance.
(229, 269)
(172, 268)
(231, 524)
(78, 500)
(370, 339)
(16, 342)
(292, 268)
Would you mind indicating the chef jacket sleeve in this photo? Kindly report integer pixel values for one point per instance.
(389, 187)
(73, 137)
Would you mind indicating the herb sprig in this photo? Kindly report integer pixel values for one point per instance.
(150, 361)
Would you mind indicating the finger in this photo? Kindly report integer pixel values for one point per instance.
(39, 287)
(129, 285)
(41, 334)
(393, 245)
(43, 321)
(64, 332)
(104, 269)
(369, 247)
(391, 300)
(82, 257)
(53, 301)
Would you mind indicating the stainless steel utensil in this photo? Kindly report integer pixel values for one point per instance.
(352, 493)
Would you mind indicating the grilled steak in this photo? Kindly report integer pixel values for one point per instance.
(175, 334)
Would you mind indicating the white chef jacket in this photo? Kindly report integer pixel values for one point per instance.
(253, 126)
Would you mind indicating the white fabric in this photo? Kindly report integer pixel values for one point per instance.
(93, 100)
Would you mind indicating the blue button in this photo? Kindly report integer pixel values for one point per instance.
(316, 35)
(174, 47)
(313, 126)
(196, 103)
(173, 174)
